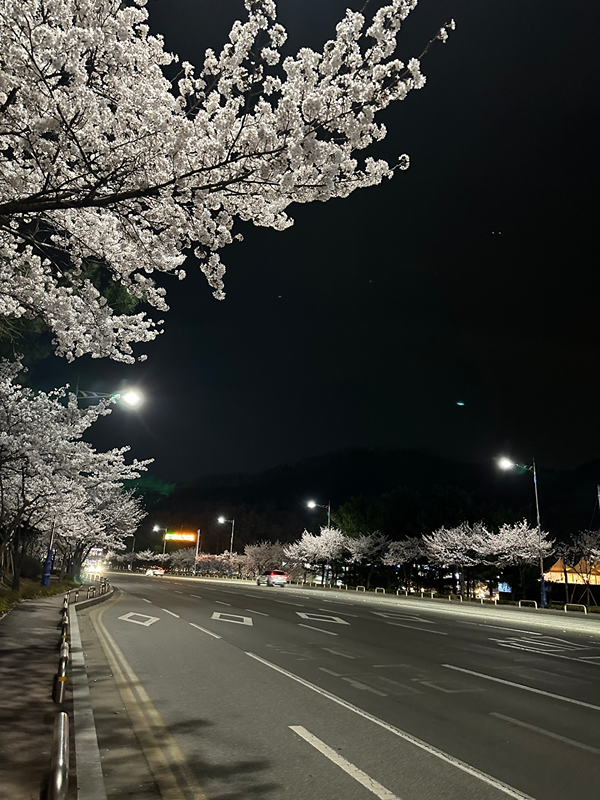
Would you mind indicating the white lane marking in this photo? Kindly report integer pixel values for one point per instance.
(196, 595)
(148, 620)
(545, 732)
(501, 628)
(382, 666)
(210, 633)
(363, 687)
(221, 603)
(322, 618)
(177, 591)
(414, 628)
(522, 686)
(286, 603)
(338, 653)
(166, 610)
(239, 619)
(361, 777)
(331, 672)
(146, 601)
(302, 625)
(252, 611)
(345, 613)
(410, 617)
(408, 737)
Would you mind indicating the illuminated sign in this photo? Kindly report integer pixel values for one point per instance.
(181, 537)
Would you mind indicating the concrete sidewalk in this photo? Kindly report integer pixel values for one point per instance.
(29, 637)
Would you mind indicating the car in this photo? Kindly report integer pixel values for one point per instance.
(275, 577)
(155, 571)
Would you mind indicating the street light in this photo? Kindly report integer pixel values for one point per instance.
(130, 397)
(131, 560)
(313, 504)
(506, 463)
(161, 528)
(198, 535)
(221, 520)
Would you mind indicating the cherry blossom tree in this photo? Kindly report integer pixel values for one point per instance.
(263, 556)
(52, 482)
(110, 173)
(405, 554)
(367, 549)
(518, 545)
(582, 555)
(461, 547)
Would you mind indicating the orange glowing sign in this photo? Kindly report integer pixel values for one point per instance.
(181, 537)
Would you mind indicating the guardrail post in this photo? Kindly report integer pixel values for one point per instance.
(535, 605)
(378, 589)
(59, 763)
(575, 605)
(360, 587)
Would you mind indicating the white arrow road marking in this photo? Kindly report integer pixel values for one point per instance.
(376, 788)
(322, 618)
(146, 620)
(237, 618)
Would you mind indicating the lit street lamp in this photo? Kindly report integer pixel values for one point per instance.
(160, 528)
(221, 520)
(506, 463)
(198, 535)
(312, 504)
(130, 397)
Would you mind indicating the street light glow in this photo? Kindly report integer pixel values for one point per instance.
(311, 504)
(505, 463)
(132, 398)
(222, 519)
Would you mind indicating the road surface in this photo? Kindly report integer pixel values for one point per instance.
(238, 691)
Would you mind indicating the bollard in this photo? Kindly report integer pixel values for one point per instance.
(77, 595)
(60, 681)
(58, 784)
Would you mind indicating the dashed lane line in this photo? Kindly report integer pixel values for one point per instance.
(204, 630)
(252, 611)
(522, 686)
(505, 788)
(330, 633)
(543, 731)
(221, 603)
(361, 777)
(172, 613)
(414, 628)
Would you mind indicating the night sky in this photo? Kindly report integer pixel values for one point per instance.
(471, 278)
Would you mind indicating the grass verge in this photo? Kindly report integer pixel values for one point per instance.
(30, 590)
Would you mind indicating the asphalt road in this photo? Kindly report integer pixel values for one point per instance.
(238, 691)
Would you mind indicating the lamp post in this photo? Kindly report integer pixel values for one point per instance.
(131, 560)
(221, 520)
(46, 572)
(198, 535)
(506, 463)
(313, 504)
(161, 528)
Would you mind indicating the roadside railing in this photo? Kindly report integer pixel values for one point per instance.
(59, 763)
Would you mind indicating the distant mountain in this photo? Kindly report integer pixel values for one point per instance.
(568, 499)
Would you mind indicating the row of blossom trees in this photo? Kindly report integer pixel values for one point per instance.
(53, 485)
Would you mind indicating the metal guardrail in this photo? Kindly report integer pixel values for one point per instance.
(379, 589)
(59, 763)
(528, 602)
(575, 605)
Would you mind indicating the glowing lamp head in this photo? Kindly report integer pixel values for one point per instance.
(311, 504)
(132, 398)
(221, 519)
(505, 463)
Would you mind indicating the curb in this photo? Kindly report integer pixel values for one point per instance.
(90, 780)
